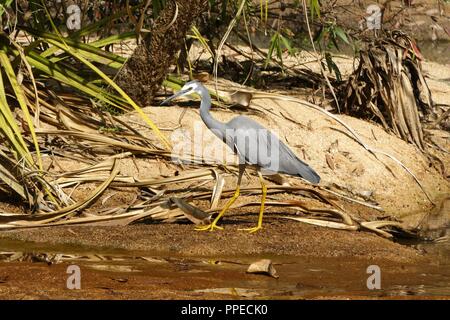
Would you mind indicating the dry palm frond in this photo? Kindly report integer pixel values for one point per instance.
(388, 85)
(324, 223)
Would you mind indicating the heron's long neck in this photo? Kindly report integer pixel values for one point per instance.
(217, 127)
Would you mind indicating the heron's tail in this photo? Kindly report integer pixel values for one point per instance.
(292, 165)
(307, 173)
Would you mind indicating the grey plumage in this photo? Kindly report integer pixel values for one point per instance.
(261, 147)
(253, 143)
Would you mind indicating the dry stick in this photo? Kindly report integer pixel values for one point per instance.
(318, 60)
(130, 14)
(366, 204)
(243, 54)
(353, 133)
(141, 21)
(239, 51)
(251, 48)
(251, 45)
(222, 42)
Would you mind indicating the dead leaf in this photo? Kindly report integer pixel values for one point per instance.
(194, 214)
(330, 161)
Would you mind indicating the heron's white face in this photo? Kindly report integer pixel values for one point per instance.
(190, 87)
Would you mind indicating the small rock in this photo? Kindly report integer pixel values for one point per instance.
(263, 266)
(366, 194)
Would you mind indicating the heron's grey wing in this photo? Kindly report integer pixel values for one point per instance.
(259, 146)
(247, 139)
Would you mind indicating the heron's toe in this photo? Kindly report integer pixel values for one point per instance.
(209, 227)
(252, 230)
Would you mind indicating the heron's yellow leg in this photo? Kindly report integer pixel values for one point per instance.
(261, 209)
(213, 224)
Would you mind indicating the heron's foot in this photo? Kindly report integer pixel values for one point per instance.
(209, 227)
(252, 230)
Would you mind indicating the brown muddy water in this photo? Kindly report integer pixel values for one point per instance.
(35, 271)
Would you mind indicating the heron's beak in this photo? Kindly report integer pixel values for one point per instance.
(178, 94)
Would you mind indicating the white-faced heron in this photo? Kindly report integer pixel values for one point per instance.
(253, 144)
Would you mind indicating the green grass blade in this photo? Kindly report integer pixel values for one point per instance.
(201, 39)
(9, 125)
(72, 79)
(20, 96)
(117, 88)
(113, 39)
(77, 45)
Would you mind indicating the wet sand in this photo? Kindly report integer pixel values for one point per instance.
(276, 238)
